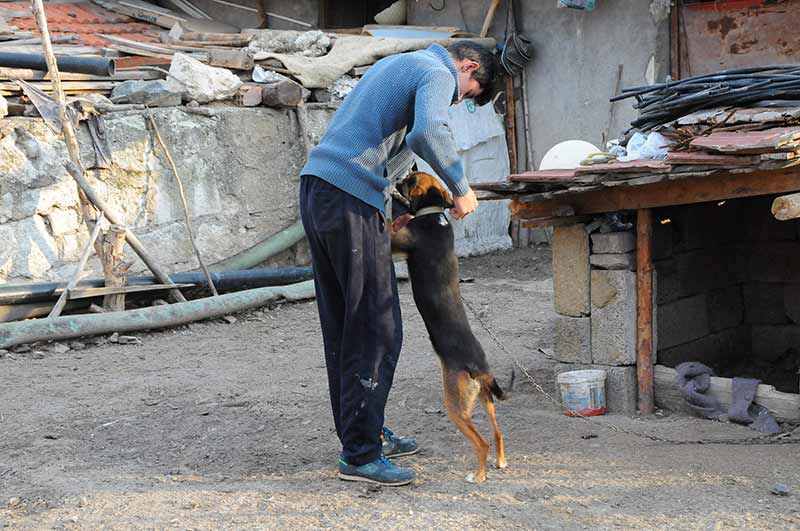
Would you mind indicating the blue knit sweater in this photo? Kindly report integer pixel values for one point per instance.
(400, 103)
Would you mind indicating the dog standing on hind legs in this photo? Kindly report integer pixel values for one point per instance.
(428, 241)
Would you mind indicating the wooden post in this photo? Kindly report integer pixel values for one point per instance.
(487, 22)
(89, 214)
(62, 300)
(131, 238)
(511, 123)
(644, 312)
(115, 270)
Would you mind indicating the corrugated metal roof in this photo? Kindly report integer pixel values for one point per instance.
(85, 20)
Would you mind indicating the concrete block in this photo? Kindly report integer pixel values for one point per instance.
(712, 349)
(573, 339)
(772, 261)
(616, 262)
(662, 240)
(791, 301)
(621, 386)
(763, 303)
(771, 342)
(682, 321)
(571, 270)
(696, 272)
(725, 308)
(613, 242)
(614, 317)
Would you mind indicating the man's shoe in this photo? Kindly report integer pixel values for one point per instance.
(394, 446)
(381, 472)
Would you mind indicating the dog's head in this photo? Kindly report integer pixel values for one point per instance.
(424, 190)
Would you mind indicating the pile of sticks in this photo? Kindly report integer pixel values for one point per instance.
(764, 86)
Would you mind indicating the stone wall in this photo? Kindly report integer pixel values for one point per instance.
(240, 169)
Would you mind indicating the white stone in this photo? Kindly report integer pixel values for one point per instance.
(3, 107)
(201, 82)
(28, 249)
(63, 221)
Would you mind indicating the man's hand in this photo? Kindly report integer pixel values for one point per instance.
(401, 221)
(464, 205)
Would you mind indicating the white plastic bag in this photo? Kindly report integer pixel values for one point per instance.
(651, 146)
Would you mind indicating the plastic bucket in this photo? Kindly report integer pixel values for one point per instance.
(583, 392)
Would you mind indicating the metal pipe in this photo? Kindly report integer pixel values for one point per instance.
(98, 66)
(644, 311)
(72, 326)
(18, 294)
(256, 254)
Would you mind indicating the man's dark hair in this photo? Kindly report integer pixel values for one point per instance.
(488, 75)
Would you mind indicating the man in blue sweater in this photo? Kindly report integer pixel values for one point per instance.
(399, 106)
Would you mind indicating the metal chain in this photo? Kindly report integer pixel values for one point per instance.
(781, 438)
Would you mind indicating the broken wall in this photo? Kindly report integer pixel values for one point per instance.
(240, 170)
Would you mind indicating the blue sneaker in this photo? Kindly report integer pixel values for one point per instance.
(381, 472)
(394, 446)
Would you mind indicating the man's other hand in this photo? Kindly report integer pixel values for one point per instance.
(464, 205)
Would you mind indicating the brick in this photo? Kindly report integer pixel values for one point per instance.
(682, 321)
(621, 386)
(571, 270)
(573, 339)
(770, 342)
(613, 242)
(732, 343)
(725, 308)
(626, 261)
(613, 317)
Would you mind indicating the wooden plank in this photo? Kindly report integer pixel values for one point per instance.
(554, 222)
(785, 406)
(703, 157)
(85, 293)
(631, 166)
(544, 176)
(750, 142)
(43, 75)
(644, 310)
(722, 185)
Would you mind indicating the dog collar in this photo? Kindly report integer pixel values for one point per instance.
(429, 210)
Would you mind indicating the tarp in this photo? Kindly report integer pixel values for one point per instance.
(348, 52)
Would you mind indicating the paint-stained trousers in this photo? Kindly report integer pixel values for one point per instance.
(359, 311)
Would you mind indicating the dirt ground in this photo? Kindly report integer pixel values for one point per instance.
(226, 426)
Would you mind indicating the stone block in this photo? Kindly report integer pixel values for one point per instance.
(571, 270)
(662, 240)
(725, 308)
(772, 261)
(613, 242)
(573, 339)
(616, 262)
(621, 385)
(613, 317)
(732, 343)
(682, 321)
(770, 342)
(155, 93)
(28, 249)
(200, 82)
(695, 272)
(63, 221)
(763, 303)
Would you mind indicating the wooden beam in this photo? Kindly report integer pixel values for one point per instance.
(723, 185)
(554, 222)
(511, 123)
(644, 311)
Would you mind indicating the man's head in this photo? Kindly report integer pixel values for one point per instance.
(478, 71)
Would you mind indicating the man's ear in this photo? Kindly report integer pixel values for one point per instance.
(468, 65)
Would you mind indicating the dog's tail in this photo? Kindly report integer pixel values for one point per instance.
(491, 384)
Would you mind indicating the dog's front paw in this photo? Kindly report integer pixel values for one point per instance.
(501, 463)
(471, 478)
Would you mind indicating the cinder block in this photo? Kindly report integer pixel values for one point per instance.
(616, 262)
(696, 272)
(772, 261)
(732, 343)
(662, 239)
(571, 270)
(621, 385)
(763, 303)
(725, 309)
(772, 342)
(573, 339)
(613, 242)
(613, 317)
(682, 321)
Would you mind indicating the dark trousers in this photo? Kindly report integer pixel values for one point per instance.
(359, 311)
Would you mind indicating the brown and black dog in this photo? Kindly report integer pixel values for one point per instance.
(428, 242)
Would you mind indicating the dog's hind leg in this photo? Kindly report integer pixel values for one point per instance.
(460, 393)
(488, 405)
